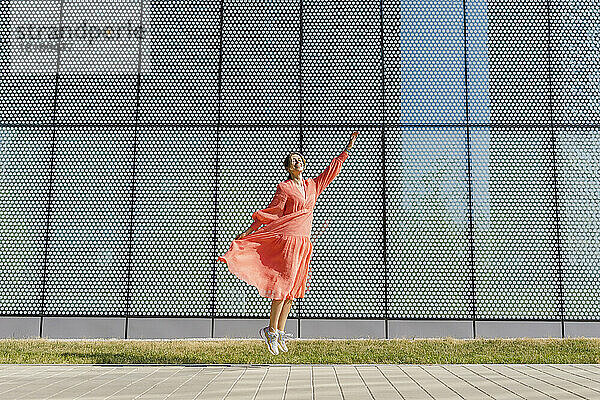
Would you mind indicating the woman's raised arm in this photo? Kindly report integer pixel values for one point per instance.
(332, 170)
(335, 166)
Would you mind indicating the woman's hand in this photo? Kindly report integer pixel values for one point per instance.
(244, 234)
(352, 139)
(241, 235)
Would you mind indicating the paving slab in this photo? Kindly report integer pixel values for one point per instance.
(300, 382)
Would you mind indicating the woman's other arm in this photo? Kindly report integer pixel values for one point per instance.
(273, 211)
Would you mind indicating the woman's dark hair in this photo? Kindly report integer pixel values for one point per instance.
(288, 161)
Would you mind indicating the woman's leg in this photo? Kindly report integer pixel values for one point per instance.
(275, 311)
(287, 306)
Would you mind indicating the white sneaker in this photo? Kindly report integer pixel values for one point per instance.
(281, 338)
(270, 340)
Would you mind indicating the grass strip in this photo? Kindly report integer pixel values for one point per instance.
(317, 351)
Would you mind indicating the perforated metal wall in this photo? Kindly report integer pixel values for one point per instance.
(137, 144)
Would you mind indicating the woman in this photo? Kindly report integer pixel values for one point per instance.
(275, 258)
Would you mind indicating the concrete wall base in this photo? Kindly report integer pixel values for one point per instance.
(188, 328)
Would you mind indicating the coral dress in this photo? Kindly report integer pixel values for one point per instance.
(275, 258)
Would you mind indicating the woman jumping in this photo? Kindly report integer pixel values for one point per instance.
(275, 258)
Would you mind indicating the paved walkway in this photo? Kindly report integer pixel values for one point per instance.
(294, 382)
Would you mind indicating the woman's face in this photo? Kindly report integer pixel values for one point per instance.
(297, 166)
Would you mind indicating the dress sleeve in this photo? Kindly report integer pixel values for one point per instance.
(273, 211)
(327, 176)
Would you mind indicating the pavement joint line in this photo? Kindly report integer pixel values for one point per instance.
(180, 386)
(136, 381)
(465, 381)
(209, 382)
(363, 381)
(576, 367)
(105, 383)
(416, 383)
(552, 376)
(337, 378)
(530, 386)
(16, 372)
(80, 383)
(495, 383)
(260, 384)
(158, 383)
(565, 379)
(234, 382)
(545, 381)
(64, 379)
(509, 378)
(388, 379)
(27, 383)
(312, 383)
(287, 381)
(440, 381)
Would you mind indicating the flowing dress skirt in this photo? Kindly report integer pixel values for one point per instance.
(273, 260)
